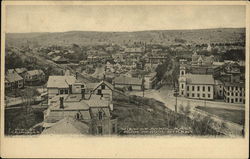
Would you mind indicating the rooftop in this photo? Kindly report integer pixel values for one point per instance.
(199, 79)
(12, 77)
(127, 80)
(60, 81)
(68, 126)
(35, 72)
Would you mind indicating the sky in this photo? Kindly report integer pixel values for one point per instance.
(61, 18)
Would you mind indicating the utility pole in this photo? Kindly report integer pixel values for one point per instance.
(175, 94)
(143, 87)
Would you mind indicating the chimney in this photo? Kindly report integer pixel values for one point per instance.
(76, 74)
(61, 102)
(83, 93)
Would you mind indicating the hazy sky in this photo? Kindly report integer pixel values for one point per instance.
(121, 18)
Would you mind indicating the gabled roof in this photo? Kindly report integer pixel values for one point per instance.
(127, 80)
(109, 85)
(199, 79)
(68, 126)
(35, 72)
(59, 58)
(20, 70)
(12, 77)
(60, 81)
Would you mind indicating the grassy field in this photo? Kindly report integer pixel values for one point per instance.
(236, 116)
(20, 119)
(138, 112)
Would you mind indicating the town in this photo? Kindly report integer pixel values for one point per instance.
(113, 87)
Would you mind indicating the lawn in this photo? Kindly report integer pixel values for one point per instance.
(236, 116)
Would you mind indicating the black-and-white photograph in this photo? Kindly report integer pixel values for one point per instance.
(125, 70)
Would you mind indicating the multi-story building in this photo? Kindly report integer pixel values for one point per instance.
(34, 77)
(234, 92)
(131, 83)
(196, 85)
(89, 111)
(13, 80)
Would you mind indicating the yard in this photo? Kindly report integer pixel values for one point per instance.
(236, 116)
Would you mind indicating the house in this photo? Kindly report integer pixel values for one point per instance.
(131, 83)
(156, 59)
(105, 90)
(59, 85)
(197, 86)
(202, 60)
(67, 125)
(150, 80)
(13, 80)
(234, 92)
(60, 60)
(88, 116)
(34, 77)
(21, 71)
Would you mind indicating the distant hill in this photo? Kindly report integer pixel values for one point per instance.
(167, 37)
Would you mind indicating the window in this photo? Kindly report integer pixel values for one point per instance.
(208, 95)
(182, 86)
(100, 115)
(99, 128)
(198, 88)
(192, 88)
(182, 93)
(77, 116)
(240, 94)
(236, 88)
(82, 86)
(203, 95)
(198, 95)
(228, 93)
(203, 88)
(188, 94)
(232, 100)
(192, 94)
(187, 88)
(66, 91)
(240, 99)
(236, 94)
(99, 92)
(236, 99)
(232, 94)
(103, 86)
(228, 100)
(208, 88)
(61, 91)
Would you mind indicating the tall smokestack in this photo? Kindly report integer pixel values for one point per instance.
(61, 103)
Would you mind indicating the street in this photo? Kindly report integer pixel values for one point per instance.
(165, 95)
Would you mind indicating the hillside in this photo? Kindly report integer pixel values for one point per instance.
(221, 35)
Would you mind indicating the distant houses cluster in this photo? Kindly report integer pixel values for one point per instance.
(19, 77)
